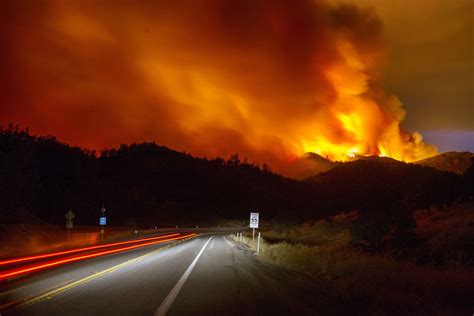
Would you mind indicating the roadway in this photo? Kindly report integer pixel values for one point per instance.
(209, 274)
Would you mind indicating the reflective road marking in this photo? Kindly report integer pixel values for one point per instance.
(166, 304)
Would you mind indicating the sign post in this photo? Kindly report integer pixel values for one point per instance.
(258, 243)
(102, 223)
(253, 223)
(69, 224)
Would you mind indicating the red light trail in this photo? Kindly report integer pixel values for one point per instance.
(54, 254)
(20, 271)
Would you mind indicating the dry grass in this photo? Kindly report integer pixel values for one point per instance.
(368, 284)
(447, 235)
(334, 230)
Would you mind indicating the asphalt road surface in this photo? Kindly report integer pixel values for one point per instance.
(209, 274)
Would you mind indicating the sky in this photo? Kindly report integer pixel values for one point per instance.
(432, 67)
(270, 80)
(431, 60)
(451, 140)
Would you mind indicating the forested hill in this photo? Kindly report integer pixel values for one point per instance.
(142, 184)
(151, 185)
(378, 183)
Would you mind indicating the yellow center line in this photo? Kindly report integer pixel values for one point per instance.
(32, 295)
(33, 300)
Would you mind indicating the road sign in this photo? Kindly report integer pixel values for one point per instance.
(102, 221)
(70, 215)
(253, 220)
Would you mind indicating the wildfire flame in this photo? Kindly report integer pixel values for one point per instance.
(271, 80)
(367, 126)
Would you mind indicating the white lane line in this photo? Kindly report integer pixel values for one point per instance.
(166, 304)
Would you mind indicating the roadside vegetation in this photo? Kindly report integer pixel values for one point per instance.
(434, 276)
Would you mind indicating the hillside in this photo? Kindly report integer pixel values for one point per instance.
(310, 164)
(378, 182)
(151, 185)
(144, 184)
(456, 162)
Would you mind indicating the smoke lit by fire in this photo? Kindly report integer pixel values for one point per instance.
(270, 80)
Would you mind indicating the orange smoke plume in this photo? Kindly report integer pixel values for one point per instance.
(270, 80)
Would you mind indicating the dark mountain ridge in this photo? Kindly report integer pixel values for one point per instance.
(374, 181)
(456, 162)
(151, 185)
(146, 184)
(453, 161)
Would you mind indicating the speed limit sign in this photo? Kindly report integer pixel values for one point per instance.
(253, 220)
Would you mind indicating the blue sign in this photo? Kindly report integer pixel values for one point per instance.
(102, 220)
